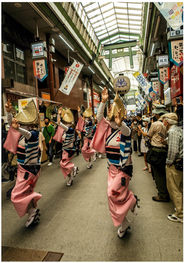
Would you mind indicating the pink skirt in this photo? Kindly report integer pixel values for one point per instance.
(120, 199)
(23, 192)
(86, 150)
(65, 165)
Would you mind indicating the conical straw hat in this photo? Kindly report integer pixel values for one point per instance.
(117, 105)
(68, 116)
(28, 114)
(88, 112)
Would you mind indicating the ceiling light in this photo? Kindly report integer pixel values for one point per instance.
(100, 87)
(55, 29)
(154, 73)
(152, 50)
(102, 82)
(17, 5)
(91, 70)
(66, 42)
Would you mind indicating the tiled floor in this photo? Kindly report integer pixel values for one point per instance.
(76, 220)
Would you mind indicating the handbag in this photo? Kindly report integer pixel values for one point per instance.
(155, 156)
(179, 165)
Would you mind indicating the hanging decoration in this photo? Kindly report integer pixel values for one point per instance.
(176, 52)
(140, 98)
(71, 77)
(155, 86)
(172, 12)
(40, 69)
(121, 85)
(144, 83)
(164, 74)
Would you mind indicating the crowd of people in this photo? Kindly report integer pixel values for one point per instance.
(157, 137)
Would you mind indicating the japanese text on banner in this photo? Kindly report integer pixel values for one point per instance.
(40, 69)
(142, 81)
(71, 77)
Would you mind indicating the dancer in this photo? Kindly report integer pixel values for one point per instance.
(114, 138)
(86, 125)
(68, 168)
(25, 144)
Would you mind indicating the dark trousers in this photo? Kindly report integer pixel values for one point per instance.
(135, 146)
(159, 173)
(139, 143)
(50, 151)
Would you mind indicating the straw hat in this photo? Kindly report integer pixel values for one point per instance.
(28, 114)
(88, 113)
(67, 116)
(117, 105)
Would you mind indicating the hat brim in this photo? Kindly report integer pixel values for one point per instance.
(28, 114)
(159, 111)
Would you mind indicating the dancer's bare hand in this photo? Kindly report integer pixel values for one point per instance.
(15, 123)
(78, 109)
(105, 95)
(118, 118)
(60, 110)
(8, 106)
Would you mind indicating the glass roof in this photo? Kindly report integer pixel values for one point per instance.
(114, 22)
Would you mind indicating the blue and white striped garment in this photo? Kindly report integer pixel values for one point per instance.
(88, 130)
(68, 143)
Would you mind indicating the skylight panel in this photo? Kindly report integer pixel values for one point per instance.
(111, 23)
(101, 32)
(107, 19)
(119, 4)
(138, 12)
(93, 20)
(112, 27)
(122, 16)
(108, 13)
(135, 5)
(135, 17)
(103, 36)
(124, 11)
(100, 28)
(107, 7)
(99, 23)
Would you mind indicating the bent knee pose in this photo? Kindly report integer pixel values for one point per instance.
(67, 167)
(86, 126)
(25, 143)
(114, 138)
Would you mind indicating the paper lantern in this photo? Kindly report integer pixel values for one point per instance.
(121, 85)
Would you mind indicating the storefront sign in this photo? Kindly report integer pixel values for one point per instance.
(40, 69)
(164, 74)
(96, 99)
(71, 77)
(144, 83)
(167, 96)
(140, 98)
(176, 52)
(172, 12)
(38, 50)
(176, 82)
(155, 86)
(163, 61)
(12, 97)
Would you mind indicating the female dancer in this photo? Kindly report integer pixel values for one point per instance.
(68, 168)
(114, 138)
(25, 143)
(86, 125)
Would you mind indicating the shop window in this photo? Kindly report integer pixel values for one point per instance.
(14, 62)
(85, 96)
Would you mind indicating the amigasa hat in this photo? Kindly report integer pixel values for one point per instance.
(28, 114)
(116, 106)
(68, 116)
(88, 113)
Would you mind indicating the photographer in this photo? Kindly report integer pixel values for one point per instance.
(134, 129)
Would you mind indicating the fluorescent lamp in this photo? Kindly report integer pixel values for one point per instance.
(152, 49)
(167, 90)
(102, 82)
(91, 70)
(100, 87)
(154, 79)
(66, 43)
(110, 90)
(154, 73)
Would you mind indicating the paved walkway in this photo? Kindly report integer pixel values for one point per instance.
(76, 220)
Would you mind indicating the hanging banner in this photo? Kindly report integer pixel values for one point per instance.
(144, 83)
(140, 98)
(164, 74)
(176, 52)
(155, 86)
(172, 12)
(71, 77)
(40, 69)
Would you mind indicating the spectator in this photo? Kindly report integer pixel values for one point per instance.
(134, 128)
(174, 176)
(158, 170)
(48, 133)
(4, 154)
(139, 134)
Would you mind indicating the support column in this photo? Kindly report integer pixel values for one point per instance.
(50, 69)
(162, 92)
(92, 98)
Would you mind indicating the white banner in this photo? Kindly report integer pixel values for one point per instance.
(71, 77)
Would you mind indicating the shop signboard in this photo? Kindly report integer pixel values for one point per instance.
(12, 97)
(176, 82)
(176, 52)
(38, 50)
(164, 74)
(71, 77)
(96, 99)
(167, 96)
(172, 12)
(163, 61)
(155, 86)
(40, 69)
(143, 82)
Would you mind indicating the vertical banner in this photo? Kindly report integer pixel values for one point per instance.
(172, 12)
(40, 69)
(176, 52)
(164, 74)
(71, 77)
(144, 83)
(140, 98)
(155, 86)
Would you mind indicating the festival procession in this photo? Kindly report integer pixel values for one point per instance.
(92, 131)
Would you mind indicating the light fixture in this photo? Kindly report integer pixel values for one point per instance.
(154, 73)
(66, 42)
(152, 50)
(17, 5)
(55, 29)
(154, 79)
(167, 90)
(110, 90)
(100, 87)
(91, 70)
(102, 82)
